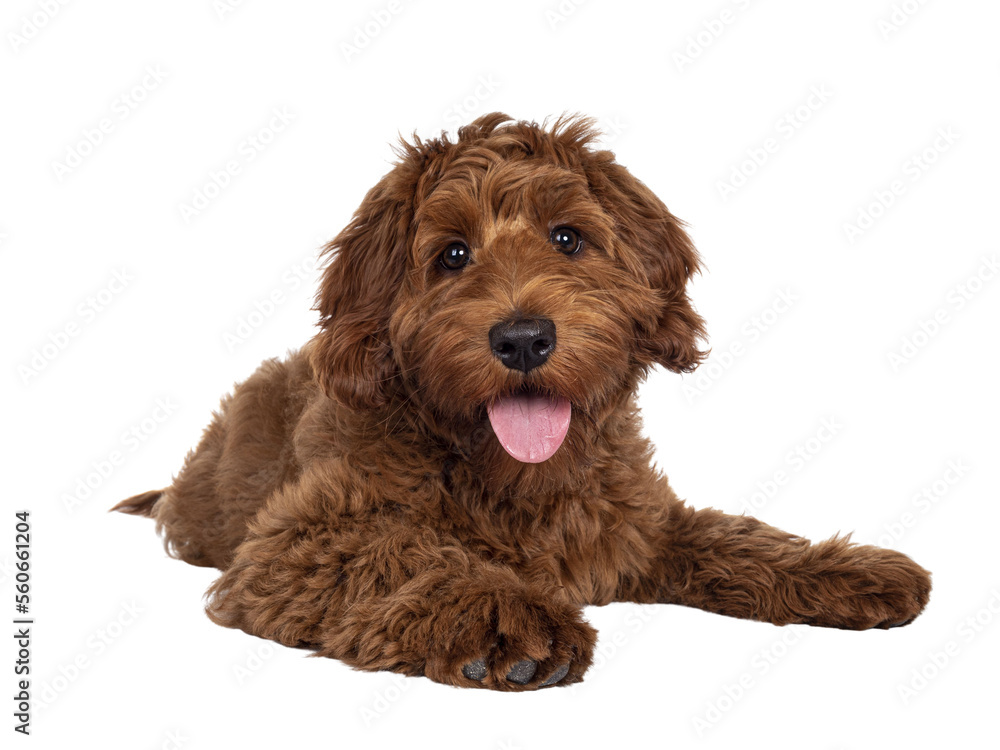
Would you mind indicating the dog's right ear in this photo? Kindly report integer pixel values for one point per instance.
(352, 355)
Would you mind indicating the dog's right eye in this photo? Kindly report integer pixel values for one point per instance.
(455, 256)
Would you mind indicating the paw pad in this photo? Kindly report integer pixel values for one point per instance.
(475, 670)
(522, 672)
(556, 676)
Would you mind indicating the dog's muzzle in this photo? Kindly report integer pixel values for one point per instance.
(523, 344)
(530, 426)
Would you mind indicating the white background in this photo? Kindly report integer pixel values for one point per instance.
(891, 77)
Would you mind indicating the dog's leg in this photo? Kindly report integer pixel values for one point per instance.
(741, 567)
(381, 592)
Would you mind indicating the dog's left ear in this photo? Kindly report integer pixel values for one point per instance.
(667, 260)
(352, 356)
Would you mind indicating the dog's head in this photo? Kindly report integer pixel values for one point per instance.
(515, 274)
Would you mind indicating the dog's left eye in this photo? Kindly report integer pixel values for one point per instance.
(567, 240)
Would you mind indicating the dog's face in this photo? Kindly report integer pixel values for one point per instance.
(515, 275)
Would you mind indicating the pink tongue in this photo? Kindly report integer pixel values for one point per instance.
(530, 428)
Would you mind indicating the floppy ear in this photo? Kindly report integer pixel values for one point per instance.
(667, 256)
(352, 356)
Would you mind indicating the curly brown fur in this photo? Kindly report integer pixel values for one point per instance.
(357, 498)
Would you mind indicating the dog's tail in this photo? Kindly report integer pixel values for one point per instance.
(140, 505)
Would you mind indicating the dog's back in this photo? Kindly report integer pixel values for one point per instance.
(245, 454)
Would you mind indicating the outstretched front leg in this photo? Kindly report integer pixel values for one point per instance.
(741, 567)
(358, 580)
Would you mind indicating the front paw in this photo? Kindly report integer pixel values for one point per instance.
(511, 641)
(867, 587)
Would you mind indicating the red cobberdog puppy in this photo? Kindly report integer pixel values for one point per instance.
(442, 478)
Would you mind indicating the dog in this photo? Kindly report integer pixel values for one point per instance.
(442, 478)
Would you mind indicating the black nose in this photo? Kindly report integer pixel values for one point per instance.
(523, 344)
